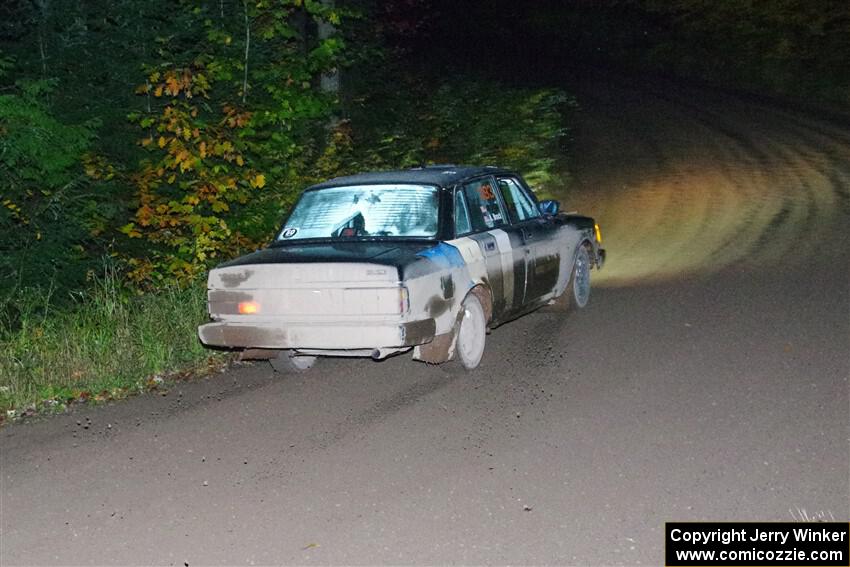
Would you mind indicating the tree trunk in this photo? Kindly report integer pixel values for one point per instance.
(330, 78)
(247, 51)
(43, 6)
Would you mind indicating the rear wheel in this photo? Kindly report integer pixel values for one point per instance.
(472, 333)
(290, 362)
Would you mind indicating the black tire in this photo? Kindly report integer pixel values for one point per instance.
(287, 362)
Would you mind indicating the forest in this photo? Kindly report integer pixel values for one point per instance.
(143, 142)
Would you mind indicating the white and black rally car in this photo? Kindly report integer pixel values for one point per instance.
(425, 259)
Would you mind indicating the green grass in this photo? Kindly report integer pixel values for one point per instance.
(111, 342)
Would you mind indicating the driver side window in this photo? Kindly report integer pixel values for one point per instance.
(520, 204)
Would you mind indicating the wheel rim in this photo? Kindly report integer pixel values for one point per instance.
(581, 279)
(472, 333)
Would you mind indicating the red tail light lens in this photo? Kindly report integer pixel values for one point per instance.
(248, 307)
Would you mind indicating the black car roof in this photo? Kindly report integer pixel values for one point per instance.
(441, 175)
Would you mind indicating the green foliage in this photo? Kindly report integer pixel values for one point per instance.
(50, 209)
(415, 122)
(112, 341)
(225, 130)
(512, 127)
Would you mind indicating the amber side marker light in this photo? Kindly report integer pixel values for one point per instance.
(598, 232)
(248, 308)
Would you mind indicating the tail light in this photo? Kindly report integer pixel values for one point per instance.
(248, 307)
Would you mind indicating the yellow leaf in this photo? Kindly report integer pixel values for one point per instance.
(158, 91)
(260, 181)
(202, 147)
(161, 141)
(172, 86)
(239, 161)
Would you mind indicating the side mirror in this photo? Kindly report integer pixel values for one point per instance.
(550, 207)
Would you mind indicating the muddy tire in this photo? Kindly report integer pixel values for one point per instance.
(288, 363)
(471, 333)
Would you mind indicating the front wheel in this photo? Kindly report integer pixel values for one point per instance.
(579, 286)
(289, 362)
(472, 333)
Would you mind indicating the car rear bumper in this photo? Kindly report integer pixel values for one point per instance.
(324, 336)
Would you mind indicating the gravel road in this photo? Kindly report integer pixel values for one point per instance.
(707, 380)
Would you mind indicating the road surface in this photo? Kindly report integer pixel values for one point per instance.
(707, 380)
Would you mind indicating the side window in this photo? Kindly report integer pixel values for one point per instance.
(519, 203)
(485, 212)
(462, 225)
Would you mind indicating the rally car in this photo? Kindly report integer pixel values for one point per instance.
(426, 259)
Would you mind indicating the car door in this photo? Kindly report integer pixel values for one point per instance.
(480, 217)
(539, 237)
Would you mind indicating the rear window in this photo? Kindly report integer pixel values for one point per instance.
(399, 210)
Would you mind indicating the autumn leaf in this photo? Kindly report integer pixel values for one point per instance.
(172, 86)
(131, 231)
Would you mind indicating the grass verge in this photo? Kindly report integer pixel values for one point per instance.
(110, 343)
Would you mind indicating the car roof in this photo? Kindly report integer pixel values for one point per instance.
(441, 175)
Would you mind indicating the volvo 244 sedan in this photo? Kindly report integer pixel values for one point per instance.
(427, 259)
